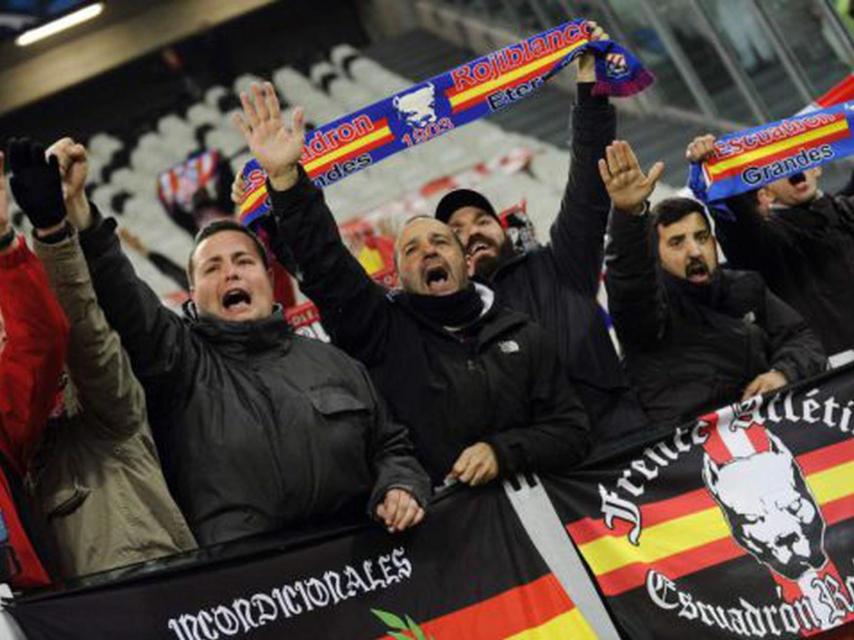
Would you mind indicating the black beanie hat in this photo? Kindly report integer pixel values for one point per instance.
(460, 198)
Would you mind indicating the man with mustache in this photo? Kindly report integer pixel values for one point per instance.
(802, 242)
(695, 336)
(478, 385)
(259, 430)
(557, 284)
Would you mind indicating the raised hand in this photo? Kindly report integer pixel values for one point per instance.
(36, 183)
(73, 169)
(701, 148)
(587, 61)
(277, 148)
(627, 185)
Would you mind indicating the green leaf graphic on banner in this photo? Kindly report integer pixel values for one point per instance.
(390, 620)
(407, 628)
(417, 633)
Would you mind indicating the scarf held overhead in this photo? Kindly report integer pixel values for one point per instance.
(432, 108)
(752, 158)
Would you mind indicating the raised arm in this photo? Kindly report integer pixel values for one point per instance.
(157, 341)
(748, 240)
(636, 296)
(578, 232)
(100, 368)
(354, 309)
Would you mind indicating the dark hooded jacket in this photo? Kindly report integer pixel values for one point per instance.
(805, 254)
(258, 428)
(693, 348)
(500, 383)
(557, 284)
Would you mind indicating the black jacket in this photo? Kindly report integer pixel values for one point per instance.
(557, 284)
(504, 386)
(805, 254)
(258, 428)
(689, 348)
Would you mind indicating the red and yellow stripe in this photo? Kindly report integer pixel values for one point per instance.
(466, 98)
(688, 533)
(826, 134)
(539, 610)
(380, 136)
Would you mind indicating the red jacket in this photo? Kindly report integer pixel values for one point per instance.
(30, 370)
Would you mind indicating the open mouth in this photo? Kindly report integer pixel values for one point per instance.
(797, 179)
(236, 300)
(436, 278)
(697, 271)
(476, 247)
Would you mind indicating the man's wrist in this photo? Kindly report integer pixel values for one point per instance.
(79, 213)
(284, 180)
(635, 210)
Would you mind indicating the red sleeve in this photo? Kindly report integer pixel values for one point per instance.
(32, 362)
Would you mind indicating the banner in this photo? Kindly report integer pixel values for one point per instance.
(468, 571)
(738, 526)
(177, 185)
(432, 108)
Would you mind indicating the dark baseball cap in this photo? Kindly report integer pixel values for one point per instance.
(460, 198)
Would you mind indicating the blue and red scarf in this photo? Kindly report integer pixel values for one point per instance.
(432, 108)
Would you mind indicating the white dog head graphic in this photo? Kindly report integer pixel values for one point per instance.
(417, 108)
(769, 508)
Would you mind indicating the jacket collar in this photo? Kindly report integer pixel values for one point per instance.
(494, 321)
(251, 336)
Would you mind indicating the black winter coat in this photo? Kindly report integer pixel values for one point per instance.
(557, 284)
(691, 349)
(258, 428)
(504, 386)
(805, 254)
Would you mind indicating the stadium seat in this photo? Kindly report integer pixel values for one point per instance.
(203, 113)
(214, 94)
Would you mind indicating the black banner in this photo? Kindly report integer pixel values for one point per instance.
(469, 571)
(738, 526)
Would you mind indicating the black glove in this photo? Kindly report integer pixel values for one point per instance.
(36, 183)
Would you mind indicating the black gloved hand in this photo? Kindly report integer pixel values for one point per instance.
(36, 183)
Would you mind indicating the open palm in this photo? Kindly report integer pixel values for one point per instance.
(277, 148)
(626, 183)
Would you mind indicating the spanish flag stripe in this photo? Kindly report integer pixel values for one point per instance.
(477, 99)
(317, 169)
(840, 135)
(515, 611)
(358, 144)
(675, 566)
(589, 529)
(566, 626)
(816, 136)
(505, 78)
(253, 200)
(687, 562)
(693, 530)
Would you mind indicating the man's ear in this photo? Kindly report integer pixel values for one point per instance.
(765, 198)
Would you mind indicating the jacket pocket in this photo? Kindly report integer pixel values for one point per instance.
(65, 501)
(331, 401)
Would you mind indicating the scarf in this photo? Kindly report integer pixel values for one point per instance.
(454, 311)
(436, 106)
(749, 159)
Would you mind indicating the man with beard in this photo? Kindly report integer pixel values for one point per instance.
(259, 429)
(479, 386)
(695, 336)
(557, 284)
(802, 242)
